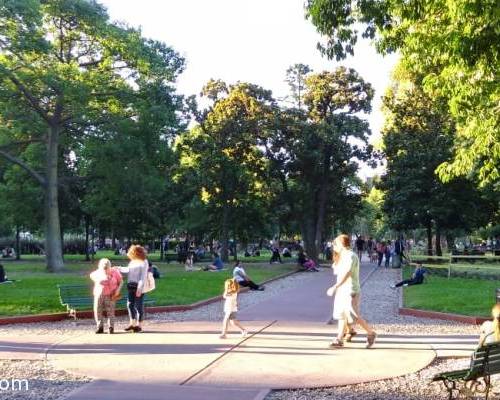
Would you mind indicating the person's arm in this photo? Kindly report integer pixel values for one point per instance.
(142, 278)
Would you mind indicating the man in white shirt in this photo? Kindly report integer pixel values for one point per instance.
(243, 279)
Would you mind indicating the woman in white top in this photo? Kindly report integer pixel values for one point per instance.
(490, 330)
(137, 271)
(347, 290)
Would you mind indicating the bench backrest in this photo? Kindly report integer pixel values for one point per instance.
(485, 361)
(69, 292)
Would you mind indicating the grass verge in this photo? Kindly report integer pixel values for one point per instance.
(35, 291)
(465, 296)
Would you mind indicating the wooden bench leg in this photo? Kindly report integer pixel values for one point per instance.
(450, 386)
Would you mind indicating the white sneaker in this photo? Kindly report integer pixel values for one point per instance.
(392, 286)
(244, 333)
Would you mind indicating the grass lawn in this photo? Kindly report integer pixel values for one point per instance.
(36, 292)
(466, 296)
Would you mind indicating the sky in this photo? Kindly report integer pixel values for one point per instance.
(247, 40)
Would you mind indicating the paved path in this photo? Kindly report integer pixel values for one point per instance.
(287, 348)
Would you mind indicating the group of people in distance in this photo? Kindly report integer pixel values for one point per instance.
(377, 250)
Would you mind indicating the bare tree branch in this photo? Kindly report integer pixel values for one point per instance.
(38, 177)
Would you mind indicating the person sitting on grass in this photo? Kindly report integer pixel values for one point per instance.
(107, 284)
(305, 262)
(230, 295)
(416, 279)
(240, 276)
(3, 276)
(217, 264)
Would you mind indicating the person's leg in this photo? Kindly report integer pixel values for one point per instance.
(342, 325)
(98, 313)
(131, 309)
(111, 315)
(139, 305)
(225, 323)
(404, 282)
(380, 257)
(370, 333)
(252, 285)
(237, 323)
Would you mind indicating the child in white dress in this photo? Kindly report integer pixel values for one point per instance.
(230, 295)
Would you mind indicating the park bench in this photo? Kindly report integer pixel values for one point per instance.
(485, 361)
(79, 297)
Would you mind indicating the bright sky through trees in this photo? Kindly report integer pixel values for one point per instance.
(254, 41)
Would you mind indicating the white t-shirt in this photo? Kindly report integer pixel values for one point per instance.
(231, 303)
(239, 274)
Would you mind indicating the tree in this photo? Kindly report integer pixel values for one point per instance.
(66, 71)
(222, 153)
(453, 44)
(418, 136)
(296, 79)
(315, 151)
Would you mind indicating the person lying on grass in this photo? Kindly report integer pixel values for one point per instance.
(416, 279)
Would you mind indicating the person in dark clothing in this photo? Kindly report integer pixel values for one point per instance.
(240, 276)
(3, 276)
(416, 279)
(275, 257)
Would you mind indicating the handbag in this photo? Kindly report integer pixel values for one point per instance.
(149, 283)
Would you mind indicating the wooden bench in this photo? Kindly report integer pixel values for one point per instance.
(79, 297)
(485, 361)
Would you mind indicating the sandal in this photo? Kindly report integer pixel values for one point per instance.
(370, 339)
(349, 335)
(336, 344)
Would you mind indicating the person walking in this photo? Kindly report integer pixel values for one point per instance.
(230, 295)
(137, 271)
(348, 290)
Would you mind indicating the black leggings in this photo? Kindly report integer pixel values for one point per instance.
(249, 284)
(409, 282)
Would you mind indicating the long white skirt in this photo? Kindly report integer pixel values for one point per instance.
(342, 305)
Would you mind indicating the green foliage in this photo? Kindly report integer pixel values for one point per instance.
(68, 75)
(223, 161)
(453, 44)
(418, 137)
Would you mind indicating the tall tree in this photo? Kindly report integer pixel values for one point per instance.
(65, 71)
(454, 44)
(296, 79)
(221, 151)
(418, 136)
(316, 151)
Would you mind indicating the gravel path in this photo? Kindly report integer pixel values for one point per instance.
(42, 381)
(379, 306)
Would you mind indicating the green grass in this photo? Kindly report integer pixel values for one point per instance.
(36, 292)
(473, 297)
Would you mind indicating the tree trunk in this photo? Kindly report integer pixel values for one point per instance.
(87, 235)
(429, 238)
(320, 221)
(450, 241)
(309, 237)
(439, 252)
(225, 232)
(162, 250)
(53, 245)
(18, 246)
